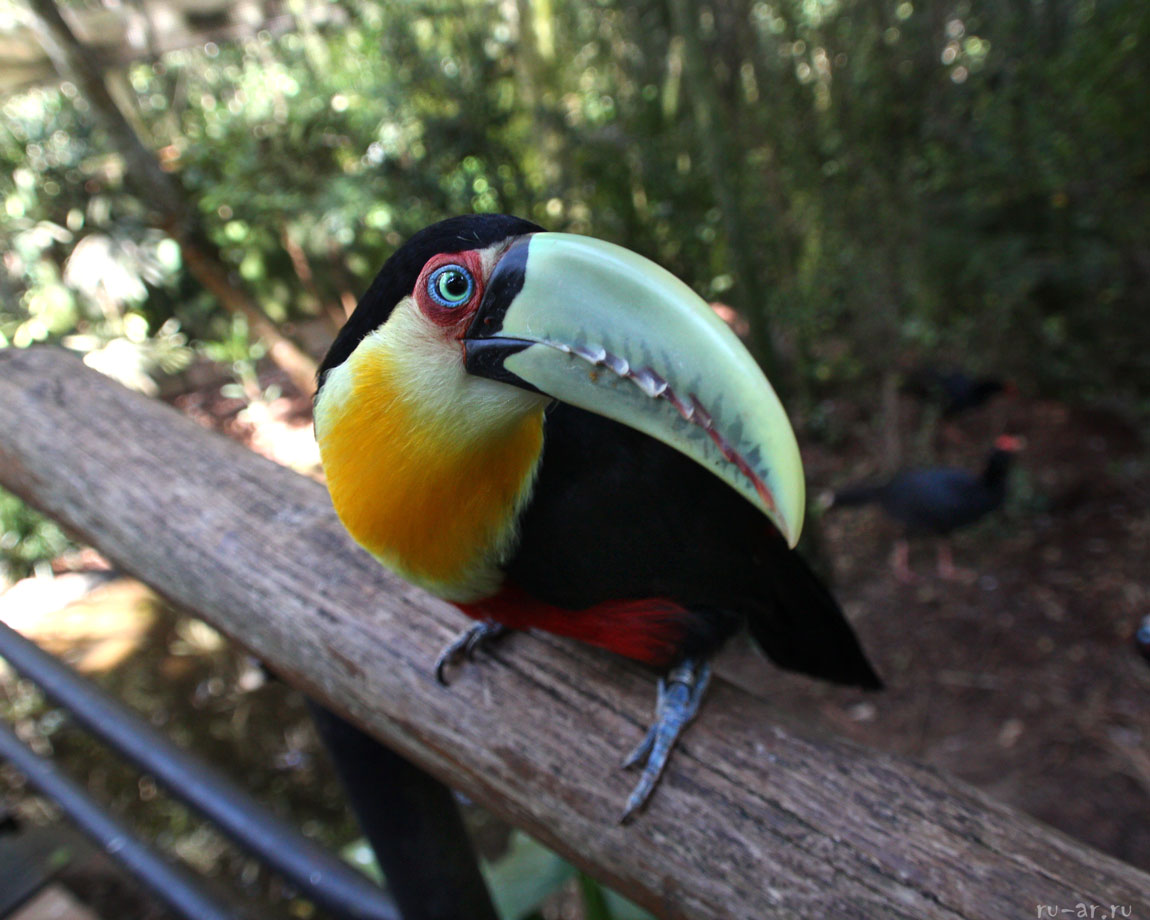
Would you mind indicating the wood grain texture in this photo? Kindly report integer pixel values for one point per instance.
(757, 816)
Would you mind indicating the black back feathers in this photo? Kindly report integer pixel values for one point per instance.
(399, 273)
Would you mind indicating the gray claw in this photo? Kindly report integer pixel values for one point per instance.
(465, 645)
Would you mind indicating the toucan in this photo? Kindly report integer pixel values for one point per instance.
(552, 432)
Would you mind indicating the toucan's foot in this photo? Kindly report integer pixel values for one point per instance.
(678, 701)
(465, 645)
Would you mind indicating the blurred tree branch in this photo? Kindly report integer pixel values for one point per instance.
(169, 205)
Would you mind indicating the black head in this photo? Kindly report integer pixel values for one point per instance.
(399, 273)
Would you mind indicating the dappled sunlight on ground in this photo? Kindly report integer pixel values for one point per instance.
(93, 621)
(278, 428)
(280, 434)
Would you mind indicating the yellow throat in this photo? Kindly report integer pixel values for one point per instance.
(428, 467)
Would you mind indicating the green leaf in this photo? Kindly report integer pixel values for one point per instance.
(523, 878)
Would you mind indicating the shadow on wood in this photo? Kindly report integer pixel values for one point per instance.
(756, 816)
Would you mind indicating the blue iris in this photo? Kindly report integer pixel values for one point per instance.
(450, 286)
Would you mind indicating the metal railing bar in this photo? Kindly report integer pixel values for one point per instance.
(177, 889)
(319, 875)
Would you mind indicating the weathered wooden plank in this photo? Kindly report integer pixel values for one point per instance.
(757, 816)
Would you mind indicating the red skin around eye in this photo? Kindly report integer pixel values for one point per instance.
(450, 316)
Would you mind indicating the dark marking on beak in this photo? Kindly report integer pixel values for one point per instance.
(484, 350)
(503, 286)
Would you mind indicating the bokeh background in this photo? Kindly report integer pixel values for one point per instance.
(194, 194)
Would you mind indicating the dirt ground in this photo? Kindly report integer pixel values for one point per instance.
(1025, 682)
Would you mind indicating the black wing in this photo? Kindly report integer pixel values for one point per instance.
(616, 514)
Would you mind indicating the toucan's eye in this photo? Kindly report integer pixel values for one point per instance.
(450, 286)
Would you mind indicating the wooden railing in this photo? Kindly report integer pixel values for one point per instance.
(757, 816)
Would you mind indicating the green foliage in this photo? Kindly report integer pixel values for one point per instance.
(914, 179)
(28, 540)
(81, 267)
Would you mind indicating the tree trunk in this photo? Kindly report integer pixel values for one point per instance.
(722, 167)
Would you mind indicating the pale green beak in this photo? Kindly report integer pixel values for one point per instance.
(595, 325)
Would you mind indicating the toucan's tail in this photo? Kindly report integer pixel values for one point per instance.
(856, 495)
(805, 630)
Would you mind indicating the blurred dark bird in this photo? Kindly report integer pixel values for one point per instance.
(1142, 637)
(954, 391)
(552, 432)
(937, 501)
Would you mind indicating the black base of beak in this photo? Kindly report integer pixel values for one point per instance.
(485, 357)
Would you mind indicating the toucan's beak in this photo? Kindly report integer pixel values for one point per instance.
(602, 328)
